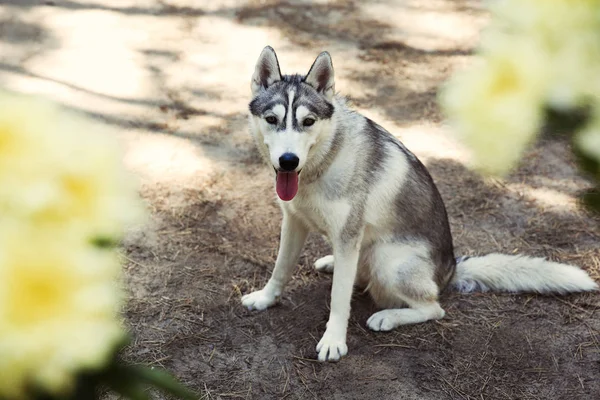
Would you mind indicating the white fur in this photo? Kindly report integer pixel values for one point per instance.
(517, 273)
(301, 113)
(382, 195)
(332, 345)
(397, 273)
(318, 212)
(386, 320)
(386, 258)
(293, 236)
(279, 111)
(275, 143)
(393, 272)
(324, 264)
(290, 113)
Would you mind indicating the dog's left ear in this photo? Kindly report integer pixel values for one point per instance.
(320, 75)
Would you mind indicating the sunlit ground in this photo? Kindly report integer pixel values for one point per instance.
(121, 61)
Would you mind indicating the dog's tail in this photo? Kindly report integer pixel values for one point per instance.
(516, 273)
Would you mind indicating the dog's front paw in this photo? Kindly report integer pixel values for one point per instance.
(259, 300)
(332, 347)
(324, 264)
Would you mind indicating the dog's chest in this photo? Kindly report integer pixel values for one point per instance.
(319, 213)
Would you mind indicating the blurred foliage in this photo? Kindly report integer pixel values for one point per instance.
(536, 74)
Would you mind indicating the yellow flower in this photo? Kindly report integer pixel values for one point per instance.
(574, 67)
(565, 33)
(58, 168)
(62, 186)
(58, 307)
(538, 55)
(496, 106)
(550, 18)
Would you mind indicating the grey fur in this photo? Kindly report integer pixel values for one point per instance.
(320, 75)
(366, 175)
(420, 209)
(354, 224)
(376, 230)
(306, 96)
(267, 70)
(379, 208)
(426, 219)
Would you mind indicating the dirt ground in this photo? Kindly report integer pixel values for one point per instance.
(172, 77)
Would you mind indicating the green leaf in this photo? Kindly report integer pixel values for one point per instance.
(129, 380)
(131, 390)
(120, 379)
(565, 122)
(164, 381)
(587, 164)
(105, 242)
(591, 199)
(87, 387)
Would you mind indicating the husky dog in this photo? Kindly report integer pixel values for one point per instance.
(342, 175)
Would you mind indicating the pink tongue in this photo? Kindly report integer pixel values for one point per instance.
(287, 185)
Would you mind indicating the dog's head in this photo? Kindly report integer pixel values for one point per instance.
(289, 114)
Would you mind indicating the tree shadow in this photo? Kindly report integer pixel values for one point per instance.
(24, 72)
(414, 51)
(478, 206)
(410, 97)
(24, 39)
(163, 7)
(16, 31)
(168, 111)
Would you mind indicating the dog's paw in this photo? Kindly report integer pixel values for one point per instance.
(324, 264)
(383, 321)
(332, 347)
(259, 300)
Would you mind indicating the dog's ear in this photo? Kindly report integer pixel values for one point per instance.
(320, 75)
(266, 72)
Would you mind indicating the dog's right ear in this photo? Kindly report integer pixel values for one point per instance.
(266, 72)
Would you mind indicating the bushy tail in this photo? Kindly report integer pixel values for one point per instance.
(506, 273)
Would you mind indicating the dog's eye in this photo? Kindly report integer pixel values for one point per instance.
(271, 120)
(308, 122)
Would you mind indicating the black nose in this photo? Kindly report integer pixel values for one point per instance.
(288, 161)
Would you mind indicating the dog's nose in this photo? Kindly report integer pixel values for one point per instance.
(288, 161)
